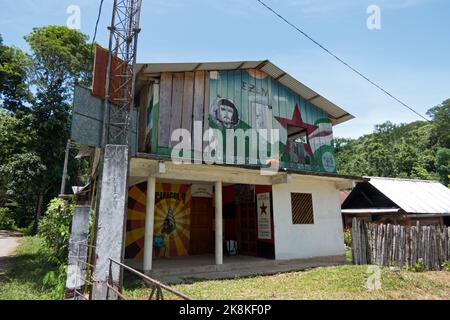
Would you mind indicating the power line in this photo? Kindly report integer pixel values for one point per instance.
(98, 20)
(340, 60)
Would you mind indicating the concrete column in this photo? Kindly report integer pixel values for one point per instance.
(111, 220)
(149, 222)
(79, 238)
(219, 231)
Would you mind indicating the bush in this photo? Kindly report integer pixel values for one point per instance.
(446, 266)
(54, 227)
(348, 237)
(6, 220)
(419, 266)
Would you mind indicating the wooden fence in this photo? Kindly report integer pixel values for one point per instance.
(402, 246)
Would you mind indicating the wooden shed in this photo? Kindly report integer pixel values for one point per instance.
(398, 201)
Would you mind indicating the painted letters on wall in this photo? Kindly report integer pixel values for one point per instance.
(240, 100)
(244, 99)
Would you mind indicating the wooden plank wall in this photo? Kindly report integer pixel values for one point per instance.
(426, 247)
(144, 101)
(184, 98)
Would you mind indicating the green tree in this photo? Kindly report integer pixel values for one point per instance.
(443, 165)
(61, 58)
(19, 177)
(14, 64)
(441, 121)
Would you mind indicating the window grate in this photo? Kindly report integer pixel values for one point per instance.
(302, 208)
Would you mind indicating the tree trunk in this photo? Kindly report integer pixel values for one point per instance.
(39, 208)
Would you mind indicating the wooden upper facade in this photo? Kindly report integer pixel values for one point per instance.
(220, 97)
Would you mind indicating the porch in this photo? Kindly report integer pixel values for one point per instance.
(174, 270)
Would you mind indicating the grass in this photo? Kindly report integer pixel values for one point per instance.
(340, 282)
(24, 281)
(24, 276)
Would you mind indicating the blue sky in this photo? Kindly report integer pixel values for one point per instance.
(409, 56)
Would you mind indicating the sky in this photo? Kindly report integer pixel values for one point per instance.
(409, 55)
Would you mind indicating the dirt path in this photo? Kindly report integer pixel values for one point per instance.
(8, 243)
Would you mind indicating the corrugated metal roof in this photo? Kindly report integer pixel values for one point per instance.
(371, 210)
(414, 196)
(336, 114)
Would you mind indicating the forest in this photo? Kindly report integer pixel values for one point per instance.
(417, 150)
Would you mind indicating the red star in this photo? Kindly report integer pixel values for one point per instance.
(298, 122)
(263, 208)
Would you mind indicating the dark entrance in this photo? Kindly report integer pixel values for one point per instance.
(246, 228)
(201, 241)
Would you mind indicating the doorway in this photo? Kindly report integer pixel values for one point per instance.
(201, 240)
(246, 228)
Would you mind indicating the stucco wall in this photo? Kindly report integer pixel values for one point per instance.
(324, 237)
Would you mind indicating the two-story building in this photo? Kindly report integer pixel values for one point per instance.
(232, 158)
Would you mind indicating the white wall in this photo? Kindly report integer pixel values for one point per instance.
(324, 237)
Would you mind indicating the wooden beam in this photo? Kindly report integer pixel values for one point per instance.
(197, 172)
(282, 179)
(344, 185)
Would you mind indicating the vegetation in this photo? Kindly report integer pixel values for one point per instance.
(36, 91)
(417, 150)
(27, 270)
(33, 275)
(348, 237)
(341, 282)
(6, 221)
(54, 227)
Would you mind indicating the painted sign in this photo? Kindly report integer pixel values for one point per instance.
(201, 191)
(250, 99)
(242, 117)
(172, 220)
(264, 216)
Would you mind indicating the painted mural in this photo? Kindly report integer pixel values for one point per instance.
(244, 99)
(171, 225)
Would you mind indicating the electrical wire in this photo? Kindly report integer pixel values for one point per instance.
(98, 20)
(340, 60)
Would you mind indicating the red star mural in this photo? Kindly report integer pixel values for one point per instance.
(298, 122)
(263, 209)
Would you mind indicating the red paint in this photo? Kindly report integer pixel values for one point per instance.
(297, 121)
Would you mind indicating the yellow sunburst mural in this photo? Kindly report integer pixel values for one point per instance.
(171, 225)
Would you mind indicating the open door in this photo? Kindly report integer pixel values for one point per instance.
(201, 241)
(246, 229)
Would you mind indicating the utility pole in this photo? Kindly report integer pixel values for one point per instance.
(112, 193)
(66, 163)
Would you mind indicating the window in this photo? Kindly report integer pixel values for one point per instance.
(302, 208)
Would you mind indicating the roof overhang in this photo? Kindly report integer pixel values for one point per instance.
(143, 165)
(371, 211)
(151, 71)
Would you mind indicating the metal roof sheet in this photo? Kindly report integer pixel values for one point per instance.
(414, 196)
(336, 114)
(371, 210)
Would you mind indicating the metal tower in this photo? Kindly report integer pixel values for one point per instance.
(120, 78)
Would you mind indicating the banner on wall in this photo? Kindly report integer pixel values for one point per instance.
(264, 217)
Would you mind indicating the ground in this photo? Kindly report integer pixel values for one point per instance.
(9, 241)
(341, 282)
(29, 265)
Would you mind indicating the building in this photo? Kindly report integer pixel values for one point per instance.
(398, 201)
(274, 196)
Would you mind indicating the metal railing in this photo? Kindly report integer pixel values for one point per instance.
(155, 286)
(83, 270)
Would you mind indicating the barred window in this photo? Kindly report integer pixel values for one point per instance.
(302, 208)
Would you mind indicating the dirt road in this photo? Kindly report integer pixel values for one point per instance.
(8, 243)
